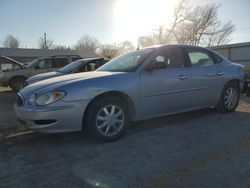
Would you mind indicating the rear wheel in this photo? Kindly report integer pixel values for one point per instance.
(229, 98)
(107, 118)
(17, 83)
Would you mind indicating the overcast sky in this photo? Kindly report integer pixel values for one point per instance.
(65, 21)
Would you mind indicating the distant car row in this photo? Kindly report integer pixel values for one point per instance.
(16, 75)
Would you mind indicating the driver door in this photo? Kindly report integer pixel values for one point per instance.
(166, 90)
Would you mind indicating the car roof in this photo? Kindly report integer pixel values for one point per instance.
(175, 45)
(93, 59)
(59, 56)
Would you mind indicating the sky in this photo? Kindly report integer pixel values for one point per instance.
(65, 21)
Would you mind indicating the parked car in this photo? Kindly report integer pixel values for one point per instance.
(15, 78)
(143, 84)
(81, 65)
(9, 64)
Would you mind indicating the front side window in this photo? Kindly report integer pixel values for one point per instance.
(172, 57)
(199, 58)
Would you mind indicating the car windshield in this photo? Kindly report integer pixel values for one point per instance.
(71, 67)
(128, 62)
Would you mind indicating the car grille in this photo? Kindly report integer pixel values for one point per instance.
(19, 100)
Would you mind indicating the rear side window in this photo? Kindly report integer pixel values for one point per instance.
(199, 58)
(59, 62)
(173, 57)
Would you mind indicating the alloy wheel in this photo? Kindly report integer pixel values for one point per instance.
(110, 120)
(230, 98)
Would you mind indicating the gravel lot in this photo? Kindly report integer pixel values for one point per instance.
(202, 149)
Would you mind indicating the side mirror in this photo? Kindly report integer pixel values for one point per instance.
(156, 65)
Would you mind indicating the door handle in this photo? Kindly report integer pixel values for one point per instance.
(183, 77)
(219, 73)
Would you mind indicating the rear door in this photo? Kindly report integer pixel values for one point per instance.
(166, 90)
(207, 77)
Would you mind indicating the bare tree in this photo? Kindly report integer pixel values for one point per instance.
(220, 34)
(88, 43)
(11, 42)
(146, 40)
(203, 27)
(158, 36)
(163, 35)
(115, 49)
(126, 46)
(61, 47)
(45, 43)
(108, 50)
(194, 26)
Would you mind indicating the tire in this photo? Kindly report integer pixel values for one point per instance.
(17, 83)
(102, 124)
(229, 99)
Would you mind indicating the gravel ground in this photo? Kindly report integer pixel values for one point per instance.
(200, 149)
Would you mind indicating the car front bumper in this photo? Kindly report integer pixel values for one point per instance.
(62, 117)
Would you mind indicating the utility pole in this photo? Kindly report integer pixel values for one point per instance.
(45, 41)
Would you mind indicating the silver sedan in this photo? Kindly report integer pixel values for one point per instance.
(143, 84)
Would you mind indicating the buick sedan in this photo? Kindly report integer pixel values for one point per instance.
(146, 83)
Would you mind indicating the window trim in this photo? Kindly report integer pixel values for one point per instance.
(198, 49)
(186, 64)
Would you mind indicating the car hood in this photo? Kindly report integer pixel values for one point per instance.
(43, 76)
(46, 85)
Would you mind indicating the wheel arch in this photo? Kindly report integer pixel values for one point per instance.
(16, 76)
(127, 99)
(234, 80)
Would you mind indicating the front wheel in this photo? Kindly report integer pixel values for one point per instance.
(107, 118)
(229, 98)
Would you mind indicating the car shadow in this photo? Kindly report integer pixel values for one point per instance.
(187, 120)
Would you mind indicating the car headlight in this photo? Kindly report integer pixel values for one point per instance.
(32, 99)
(47, 98)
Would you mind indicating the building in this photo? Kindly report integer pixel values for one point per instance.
(238, 53)
(26, 54)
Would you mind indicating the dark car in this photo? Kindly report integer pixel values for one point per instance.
(81, 65)
(15, 75)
